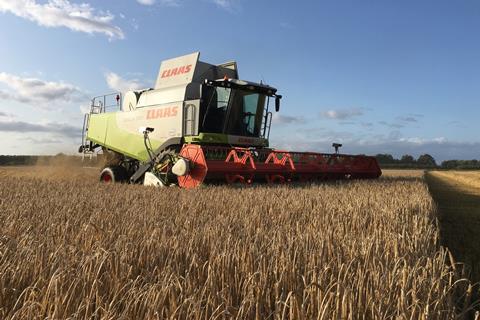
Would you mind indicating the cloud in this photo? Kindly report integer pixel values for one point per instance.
(170, 3)
(412, 118)
(43, 140)
(4, 95)
(62, 129)
(146, 2)
(6, 115)
(440, 148)
(455, 123)
(229, 5)
(408, 119)
(393, 143)
(166, 3)
(32, 90)
(61, 13)
(391, 125)
(117, 83)
(85, 108)
(284, 119)
(342, 114)
(421, 141)
(402, 121)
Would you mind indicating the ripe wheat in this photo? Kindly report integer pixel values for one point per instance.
(73, 248)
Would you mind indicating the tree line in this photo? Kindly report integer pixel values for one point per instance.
(424, 161)
(59, 159)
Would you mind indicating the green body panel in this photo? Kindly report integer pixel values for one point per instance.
(219, 138)
(103, 129)
(208, 138)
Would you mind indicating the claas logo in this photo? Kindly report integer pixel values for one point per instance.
(162, 113)
(176, 71)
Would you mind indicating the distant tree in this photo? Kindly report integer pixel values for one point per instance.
(426, 160)
(17, 160)
(385, 158)
(461, 164)
(449, 164)
(406, 158)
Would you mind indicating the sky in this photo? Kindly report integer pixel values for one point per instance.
(378, 76)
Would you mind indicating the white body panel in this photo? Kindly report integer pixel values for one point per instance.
(166, 120)
(151, 180)
(163, 96)
(177, 71)
(129, 101)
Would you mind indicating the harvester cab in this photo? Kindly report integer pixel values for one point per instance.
(200, 123)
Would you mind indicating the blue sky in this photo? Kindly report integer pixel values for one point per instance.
(378, 76)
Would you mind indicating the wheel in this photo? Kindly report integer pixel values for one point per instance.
(113, 174)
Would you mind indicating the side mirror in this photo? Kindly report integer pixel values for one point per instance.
(277, 103)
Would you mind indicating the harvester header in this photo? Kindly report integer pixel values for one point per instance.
(201, 123)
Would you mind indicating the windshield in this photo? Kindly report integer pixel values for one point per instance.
(232, 111)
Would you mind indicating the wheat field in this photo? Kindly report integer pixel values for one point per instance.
(73, 248)
(468, 181)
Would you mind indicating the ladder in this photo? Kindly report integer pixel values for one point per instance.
(86, 147)
(100, 104)
(266, 125)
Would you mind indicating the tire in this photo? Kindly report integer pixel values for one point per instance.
(113, 174)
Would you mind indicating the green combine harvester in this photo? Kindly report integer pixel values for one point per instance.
(200, 124)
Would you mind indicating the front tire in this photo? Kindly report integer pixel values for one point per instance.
(113, 174)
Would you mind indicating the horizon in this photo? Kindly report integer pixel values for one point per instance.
(380, 78)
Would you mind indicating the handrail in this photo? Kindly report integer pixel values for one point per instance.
(99, 104)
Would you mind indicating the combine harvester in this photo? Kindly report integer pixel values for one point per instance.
(202, 124)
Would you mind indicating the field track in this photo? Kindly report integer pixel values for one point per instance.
(73, 248)
(457, 194)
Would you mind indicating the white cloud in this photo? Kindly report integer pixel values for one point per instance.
(170, 3)
(408, 119)
(422, 141)
(167, 3)
(33, 90)
(42, 140)
(229, 5)
(117, 83)
(85, 108)
(285, 119)
(146, 2)
(342, 114)
(412, 118)
(393, 125)
(61, 13)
